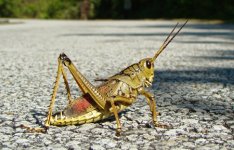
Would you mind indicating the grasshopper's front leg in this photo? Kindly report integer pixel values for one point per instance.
(151, 101)
(114, 109)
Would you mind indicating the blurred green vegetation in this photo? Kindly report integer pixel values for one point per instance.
(118, 9)
(45, 9)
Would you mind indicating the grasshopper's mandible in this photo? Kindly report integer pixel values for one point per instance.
(111, 97)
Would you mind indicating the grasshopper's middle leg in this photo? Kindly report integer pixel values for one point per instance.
(114, 109)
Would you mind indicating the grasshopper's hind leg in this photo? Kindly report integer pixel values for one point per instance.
(33, 130)
(47, 123)
(60, 70)
(66, 85)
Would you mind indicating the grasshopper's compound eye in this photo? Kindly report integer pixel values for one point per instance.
(148, 64)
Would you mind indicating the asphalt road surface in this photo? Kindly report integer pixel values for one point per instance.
(193, 85)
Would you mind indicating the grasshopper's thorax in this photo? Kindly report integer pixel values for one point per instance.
(138, 75)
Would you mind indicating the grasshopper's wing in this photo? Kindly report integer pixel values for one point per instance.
(85, 86)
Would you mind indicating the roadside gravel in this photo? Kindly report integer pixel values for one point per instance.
(194, 83)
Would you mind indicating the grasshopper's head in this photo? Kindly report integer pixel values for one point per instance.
(147, 65)
(147, 68)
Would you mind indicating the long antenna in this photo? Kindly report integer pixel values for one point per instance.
(168, 40)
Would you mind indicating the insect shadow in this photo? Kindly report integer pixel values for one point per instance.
(36, 115)
(181, 78)
(112, 119)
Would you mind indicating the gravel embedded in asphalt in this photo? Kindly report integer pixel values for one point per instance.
(193, 86)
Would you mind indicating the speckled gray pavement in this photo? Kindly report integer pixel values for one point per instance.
(194, 83)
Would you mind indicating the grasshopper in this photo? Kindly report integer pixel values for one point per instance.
(111, 97)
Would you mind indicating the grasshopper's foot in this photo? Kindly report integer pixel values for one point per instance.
(47, 123)
(159, 125)
(158, 113)
(118, 131)
(34, 130)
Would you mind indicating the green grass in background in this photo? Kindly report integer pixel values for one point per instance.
(115, 9)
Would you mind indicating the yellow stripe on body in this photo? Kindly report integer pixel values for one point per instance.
(93, 116)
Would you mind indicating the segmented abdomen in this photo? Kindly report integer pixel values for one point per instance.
(80, 111)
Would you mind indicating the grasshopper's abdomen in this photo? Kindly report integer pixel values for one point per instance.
(79, 107)
(92, 116)
(80, 111)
